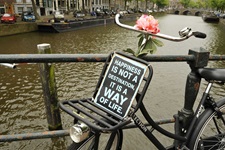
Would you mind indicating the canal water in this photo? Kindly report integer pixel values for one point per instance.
(21, 101)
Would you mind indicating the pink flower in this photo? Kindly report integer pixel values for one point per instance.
(147, 23)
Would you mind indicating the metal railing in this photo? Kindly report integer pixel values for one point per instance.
(60, 58)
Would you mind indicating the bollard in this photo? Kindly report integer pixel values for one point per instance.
(47, 75)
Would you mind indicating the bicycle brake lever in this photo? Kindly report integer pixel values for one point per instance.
(199, 35)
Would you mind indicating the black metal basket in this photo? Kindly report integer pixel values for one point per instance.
(100, 117)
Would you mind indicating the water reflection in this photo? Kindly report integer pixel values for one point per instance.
(22, 109)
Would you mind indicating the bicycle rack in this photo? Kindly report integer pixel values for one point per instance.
(94, 114)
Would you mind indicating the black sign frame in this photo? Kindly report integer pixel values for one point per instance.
(120, 85)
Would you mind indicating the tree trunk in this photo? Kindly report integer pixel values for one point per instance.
(35, 10)
(83, 8)
(61, 4)
(146, 3)
(137, 5)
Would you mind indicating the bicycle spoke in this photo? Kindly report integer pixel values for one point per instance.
(214, 120)
(210, 130)
(214, 142)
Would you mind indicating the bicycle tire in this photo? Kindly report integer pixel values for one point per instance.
(206, 135)
(104, 140)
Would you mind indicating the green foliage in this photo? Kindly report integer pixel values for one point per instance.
(185, 3)
(162, 3)
(214, 4)
(193, 4)
(146, 44)
(217, 4)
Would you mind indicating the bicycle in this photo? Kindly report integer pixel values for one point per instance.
(202, 128)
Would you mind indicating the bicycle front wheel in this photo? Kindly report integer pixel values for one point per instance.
(209, 133)
(109, 141)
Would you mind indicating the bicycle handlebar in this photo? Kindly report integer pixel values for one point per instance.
(184, 33)
(13, 66)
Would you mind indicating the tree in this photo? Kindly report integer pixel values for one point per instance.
(193, 4)
(146, 3)
(109, 4)
(83, 7)
(201, 4)
(35, 10)
(153, 3)
(185, 3)
(125, 4)
(217, 4)
(162, 3)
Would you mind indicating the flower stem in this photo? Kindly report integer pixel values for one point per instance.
(143, 45)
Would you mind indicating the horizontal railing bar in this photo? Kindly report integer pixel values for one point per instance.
(60, 133)
(40, 58)
(30, 136)
(217, 57)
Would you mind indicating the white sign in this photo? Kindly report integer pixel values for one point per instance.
(120, 85)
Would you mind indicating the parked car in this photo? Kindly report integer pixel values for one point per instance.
(113, 12)
(58, 16)
(8, 18)
(130, 11)
(107, 12)
(222, 16)
(93, 13)
(140, 11)
(78, 14)
(121, 13)
(99, 12)
(149, 11)
(28, 16)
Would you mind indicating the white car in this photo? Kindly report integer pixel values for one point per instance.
(58, 16)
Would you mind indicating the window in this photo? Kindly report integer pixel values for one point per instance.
(29, 8)
(2, 10)
(19, 1)
(20, 10)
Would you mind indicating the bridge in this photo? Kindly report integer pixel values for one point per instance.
(187, 11)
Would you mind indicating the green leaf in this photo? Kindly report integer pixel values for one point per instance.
(140, 35)
(129, 51)
(141, 54)
(158, 42)
(145, 50)
(153, 49)
(140, 41)
(149, 44)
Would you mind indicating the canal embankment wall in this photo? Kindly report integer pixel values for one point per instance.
(12, 29)
(24, 27)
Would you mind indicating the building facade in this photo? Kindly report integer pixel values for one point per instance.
(6, 6)
(47, 7)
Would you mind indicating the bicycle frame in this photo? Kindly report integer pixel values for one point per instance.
(184, 120)
(186, 127)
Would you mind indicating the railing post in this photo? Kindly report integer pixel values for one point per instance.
(47, 75)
